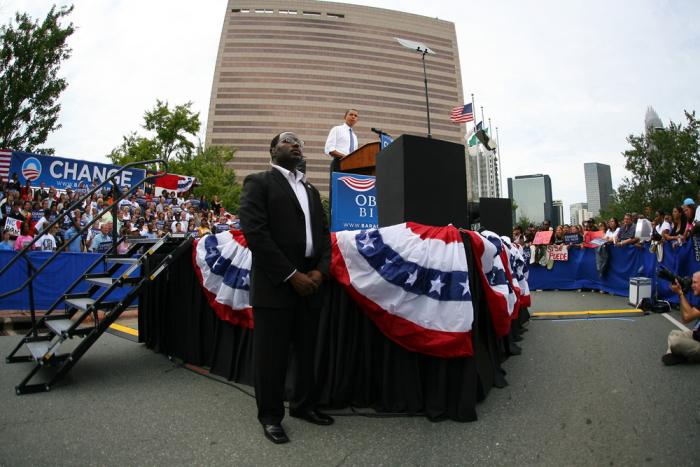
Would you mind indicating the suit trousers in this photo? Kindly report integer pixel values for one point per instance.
(682, 343)
(276, 332)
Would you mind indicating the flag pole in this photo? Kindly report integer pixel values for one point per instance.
(478, 166)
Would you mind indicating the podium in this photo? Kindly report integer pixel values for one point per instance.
(422, 180)
(362, 161)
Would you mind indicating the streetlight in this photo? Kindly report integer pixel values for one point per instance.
(423, 50)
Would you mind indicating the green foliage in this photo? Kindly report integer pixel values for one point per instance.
(173, 131)
(664, 165)
(209, 166)
(31, 54)
(523, 223)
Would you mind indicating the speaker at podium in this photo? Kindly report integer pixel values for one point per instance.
(422, 180)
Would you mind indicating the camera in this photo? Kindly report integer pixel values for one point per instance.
(667, 275)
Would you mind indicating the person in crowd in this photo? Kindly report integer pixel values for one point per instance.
(660, 225)
(101, 241)
(24, 237)
(191, 227)
(284, 223)
(203, 228)
(678, 221)
(626, 234)
(612, 231)
(203, 203)
(13, 184)
(47, 241)
(216, 205)
(7, 243)
(26, 193)
(684, 346)
(689, 211)
(518, 235)
(558, 237)
(75, 245)
(575, 237)
(123, 246)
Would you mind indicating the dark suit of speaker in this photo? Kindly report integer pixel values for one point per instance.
(422, 180)
(273, 223)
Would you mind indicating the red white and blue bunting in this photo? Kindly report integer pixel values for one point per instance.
(412, 281)
(222, 263)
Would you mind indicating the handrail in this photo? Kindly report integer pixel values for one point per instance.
(70, 209)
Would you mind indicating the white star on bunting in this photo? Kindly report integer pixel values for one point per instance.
(436, 285)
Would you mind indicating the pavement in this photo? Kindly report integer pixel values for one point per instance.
(584, 392)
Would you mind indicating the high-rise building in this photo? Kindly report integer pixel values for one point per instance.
(557, 212)
(598, 186)
(298, 65)
(533, 196)
(579, 213)
(488, 183)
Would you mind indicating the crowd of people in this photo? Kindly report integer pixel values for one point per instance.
(26, 211)
(674, 227)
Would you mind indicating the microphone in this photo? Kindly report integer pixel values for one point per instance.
(377, 131)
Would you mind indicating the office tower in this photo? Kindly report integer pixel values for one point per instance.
(598, 186)
(298, 65)
(533, 196)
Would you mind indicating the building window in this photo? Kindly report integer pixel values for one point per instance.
(288, 12)
(263, 10)
(335, 15)
(240, 10)
(312, 13)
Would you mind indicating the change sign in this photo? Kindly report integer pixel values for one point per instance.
(63, 173)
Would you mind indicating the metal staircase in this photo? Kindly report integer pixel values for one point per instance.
(64, 333)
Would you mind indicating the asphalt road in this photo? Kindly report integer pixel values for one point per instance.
(584, 392)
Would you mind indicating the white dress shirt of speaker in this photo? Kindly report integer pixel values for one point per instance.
(339, 142)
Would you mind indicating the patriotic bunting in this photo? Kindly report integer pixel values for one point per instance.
(222, 263)
(412, 281)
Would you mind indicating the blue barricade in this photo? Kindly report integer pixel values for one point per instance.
(579, 272)
(52, 282)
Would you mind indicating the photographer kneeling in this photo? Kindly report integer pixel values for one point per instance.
(684, 346)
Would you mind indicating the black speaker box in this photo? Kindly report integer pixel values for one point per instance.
(495, 214)
(422, 180)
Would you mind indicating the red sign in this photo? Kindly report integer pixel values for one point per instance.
(543, 238)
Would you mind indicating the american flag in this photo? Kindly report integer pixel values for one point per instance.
(462, 113)
(5, 158)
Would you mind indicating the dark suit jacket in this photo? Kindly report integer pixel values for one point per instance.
(273, 224)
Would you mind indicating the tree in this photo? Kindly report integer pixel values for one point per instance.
(31, 54)
(173, 133)
(663, 163)
(210, 168)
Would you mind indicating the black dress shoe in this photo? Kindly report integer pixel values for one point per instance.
(275, 433)
(314, 416)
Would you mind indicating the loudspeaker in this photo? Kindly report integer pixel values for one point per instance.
(422, 180)
(496, 215)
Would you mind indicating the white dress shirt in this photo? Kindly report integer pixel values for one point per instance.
(339, 140)
(297, 180)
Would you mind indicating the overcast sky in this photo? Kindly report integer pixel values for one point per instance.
(564, 81)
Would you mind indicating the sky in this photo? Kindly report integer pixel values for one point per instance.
(565, 82)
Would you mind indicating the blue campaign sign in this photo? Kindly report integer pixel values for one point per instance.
(354, 202)
(63, 173)
(385, 140)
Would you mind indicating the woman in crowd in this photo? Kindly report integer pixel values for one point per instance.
(203, 203)
(689, 211)
(678, 225)
(559, 235)
(203, 228)
(24, 237)
(216, 205)
(612, 230)
(191, 228)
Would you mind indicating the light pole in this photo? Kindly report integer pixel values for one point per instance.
(423, 50)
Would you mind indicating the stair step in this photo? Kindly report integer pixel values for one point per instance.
(102, 281)
(58, 326)
(82, 303)
(144, 240)
(122, 260)
(38, 349)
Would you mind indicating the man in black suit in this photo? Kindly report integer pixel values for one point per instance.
(283, 222)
